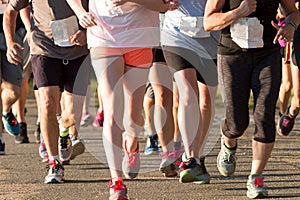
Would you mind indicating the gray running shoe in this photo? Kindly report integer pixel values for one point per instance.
(193, 172)
(256, 187)
(117, 190)
(78, 148)
(55, 173)
(131, 163)
(65, 148)
(226, 160)
(168, 164)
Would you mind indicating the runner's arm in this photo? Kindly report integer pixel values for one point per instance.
(214, 19)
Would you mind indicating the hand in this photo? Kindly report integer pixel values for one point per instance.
(247, 7)
(173, 4)
(87, 20)
(285, 33)
(79, 38)
(13, 53)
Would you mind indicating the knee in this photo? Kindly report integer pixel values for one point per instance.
(14, 92)
(235, 130)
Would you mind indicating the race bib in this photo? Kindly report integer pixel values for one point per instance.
(63, 29)
(247, 33)
(193, 27)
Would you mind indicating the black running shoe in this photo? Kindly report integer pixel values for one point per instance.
(286, 123)
(22, 137)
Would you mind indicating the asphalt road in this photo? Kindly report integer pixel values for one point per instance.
(22, 172)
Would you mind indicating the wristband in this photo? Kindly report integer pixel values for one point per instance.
(292, 24)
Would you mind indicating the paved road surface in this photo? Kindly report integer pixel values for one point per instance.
(22, 172)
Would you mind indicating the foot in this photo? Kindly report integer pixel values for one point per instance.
(286, 123)
(168, 164)
(152, 145)
(11, 124)
(117, 189)
(22, 137)
(55, 173)
(131, 163)
(78, 148)
(193, 172)
(99, 119)
(86, 119)
(256, 187)
(226, 161)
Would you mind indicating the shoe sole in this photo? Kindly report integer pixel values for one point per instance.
(10, 133)
(151, 153)
(54, 181)
(168, 171)
(22, 142)
(78, 148)
(186, 177)
(258, 195)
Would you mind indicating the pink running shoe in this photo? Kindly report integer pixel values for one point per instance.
(117, 189)
(99, 119)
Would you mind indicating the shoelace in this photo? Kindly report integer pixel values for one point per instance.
(228, 158)
(64, 142)
(116, 185)
(11, 119)
(185, 165)
(258, 182)
(43, 145)
(132, 160)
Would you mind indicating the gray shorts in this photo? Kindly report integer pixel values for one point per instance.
(9, 72)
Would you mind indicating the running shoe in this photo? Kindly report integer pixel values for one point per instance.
(256, 187)
(65, 148)
(11, 124)
(152, 145)
(131, 163)
(2, 147)
(99, 119)
(191, 171)
(86, 119)
(78, 148)
(226, 160)
(43, 150)
(37, 133)
(55, 172)
(286, 123)
(117, 189)
(22, 137)
(168, 164)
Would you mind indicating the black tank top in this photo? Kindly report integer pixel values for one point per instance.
(266, 12)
